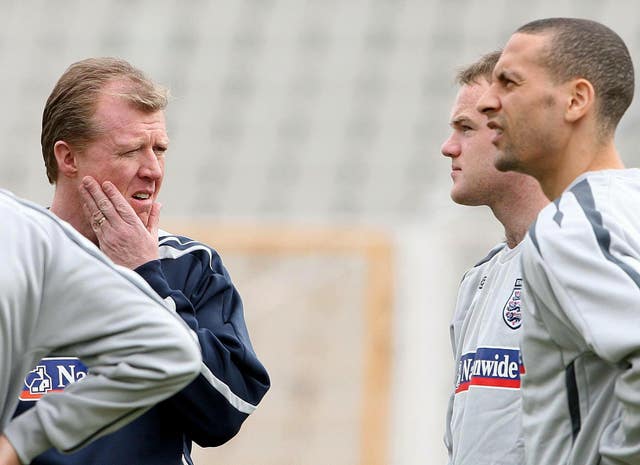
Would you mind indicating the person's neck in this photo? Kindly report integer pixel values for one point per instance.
(517, 210)
(573, 163)
(516, 228)
(66, 208)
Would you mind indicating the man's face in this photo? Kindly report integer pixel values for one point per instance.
(524, 106)
(129, 151)
(476, 181)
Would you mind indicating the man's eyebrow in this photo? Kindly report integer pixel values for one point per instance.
(139, 141)
(508, 74)
(460, 119)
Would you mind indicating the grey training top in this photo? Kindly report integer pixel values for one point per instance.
(581, 331)
(59, 294)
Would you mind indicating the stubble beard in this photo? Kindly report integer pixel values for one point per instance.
(507, 160)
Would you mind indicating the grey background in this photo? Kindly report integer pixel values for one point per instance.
(283, 110)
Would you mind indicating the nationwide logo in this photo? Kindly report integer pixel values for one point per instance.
(52, 375)
(512, 311)
(492, 367)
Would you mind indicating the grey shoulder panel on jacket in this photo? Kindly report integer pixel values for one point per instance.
(585, 198)
(492, 253)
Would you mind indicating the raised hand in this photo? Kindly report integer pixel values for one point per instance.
(121, 234)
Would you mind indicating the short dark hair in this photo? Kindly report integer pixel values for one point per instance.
(68, 113)
(481, 69)
(581, 48)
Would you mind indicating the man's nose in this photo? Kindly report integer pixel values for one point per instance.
(450, 147)
(151, 167)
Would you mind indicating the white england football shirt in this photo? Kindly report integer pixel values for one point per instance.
(483, 421)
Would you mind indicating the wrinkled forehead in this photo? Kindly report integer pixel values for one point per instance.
(125, 123)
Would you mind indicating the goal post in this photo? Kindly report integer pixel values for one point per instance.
(318, 304)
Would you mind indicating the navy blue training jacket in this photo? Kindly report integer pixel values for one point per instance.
(208, 411)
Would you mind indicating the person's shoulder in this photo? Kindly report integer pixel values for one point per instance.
(598, 190)
(16, 207)
(178, 241)
(181, 243)
(19, 213)
(556, 224)
(608, 189)
(493, 253)
(175, 246)
(17, 221)
(478, 269)
(577, 219)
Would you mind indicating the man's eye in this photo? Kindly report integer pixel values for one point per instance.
(159, 151)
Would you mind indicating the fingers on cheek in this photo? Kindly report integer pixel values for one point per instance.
(89, 190)
(110, 190)
(116, 198)
(89, 204)
(104, 205)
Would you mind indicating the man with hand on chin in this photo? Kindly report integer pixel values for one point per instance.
(104, 141)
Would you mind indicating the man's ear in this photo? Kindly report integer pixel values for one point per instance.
(581, 99)
(66, 159)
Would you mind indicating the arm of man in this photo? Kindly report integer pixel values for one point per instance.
(8, 454)
(448, 434)
(233, 381)
(463, 303)
(77, 302)
(591, 272)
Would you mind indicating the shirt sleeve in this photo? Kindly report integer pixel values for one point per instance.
(466, 293)
(233, 381)
(79, 303)
(448, 433)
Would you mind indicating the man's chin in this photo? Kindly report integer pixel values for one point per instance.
(506, 162)
(144, 217)
(465, 198)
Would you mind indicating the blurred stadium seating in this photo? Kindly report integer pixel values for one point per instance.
(284, 110)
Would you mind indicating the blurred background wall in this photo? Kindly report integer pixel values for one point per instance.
(314, 113)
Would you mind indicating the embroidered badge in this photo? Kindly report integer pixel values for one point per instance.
(512, 313)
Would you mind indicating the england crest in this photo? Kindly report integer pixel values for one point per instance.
(512, 313)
